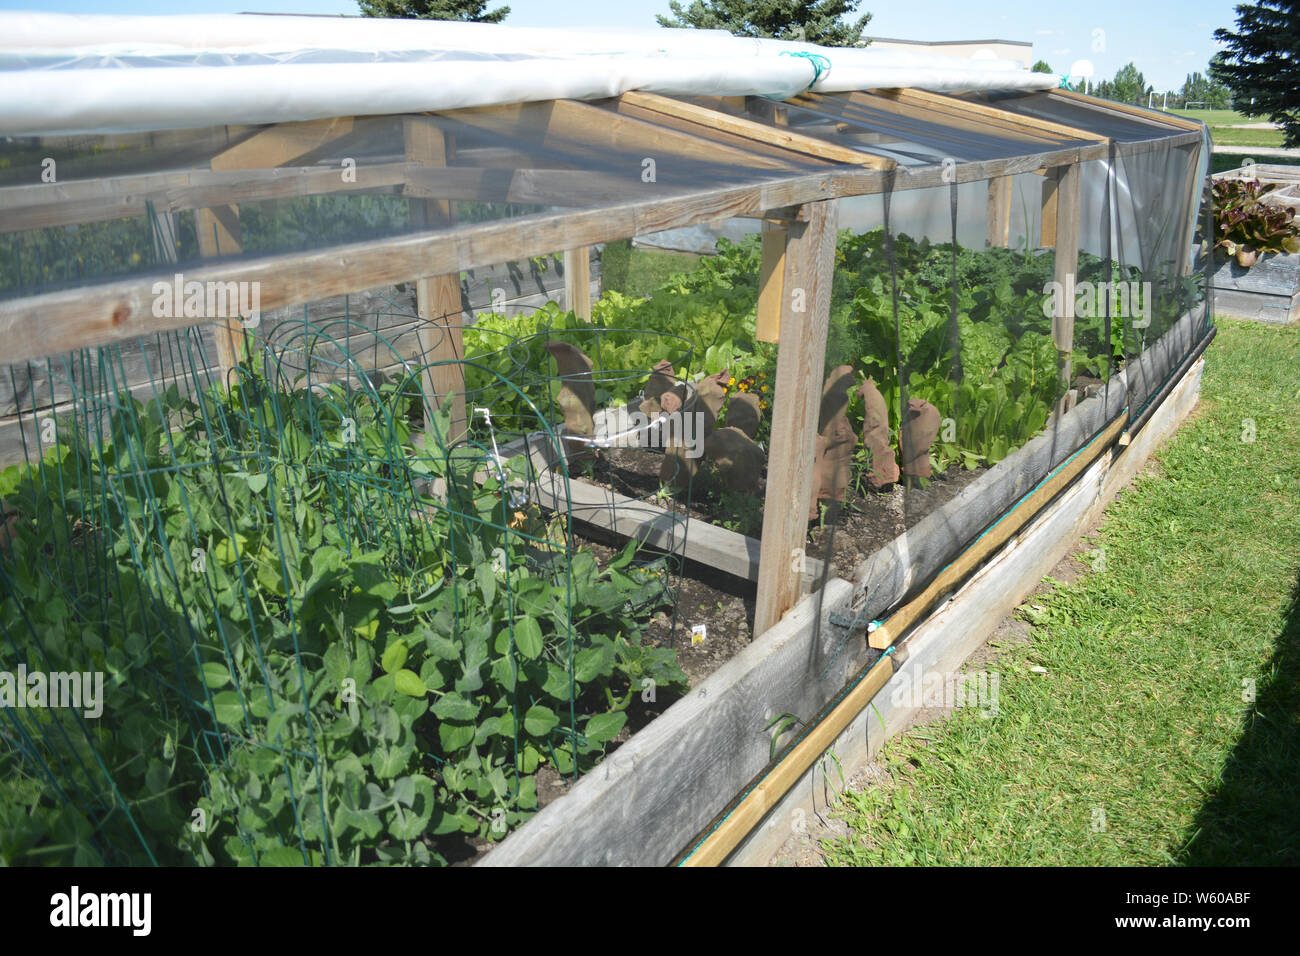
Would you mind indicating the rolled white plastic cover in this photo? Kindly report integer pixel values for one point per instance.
(63, 74)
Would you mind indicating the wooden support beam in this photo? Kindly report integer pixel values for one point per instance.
(1149, 116)
(997, 228)
(1195, 186)
(580, 128)
(797, 142)
(437, 297)
(218, 234)
(577, 281)
(1047, 221)
(35, 326)
(1018, 123)
(283, 143)
(218, 228)
(771, 281)
(121, 197)
(796, 403)
(1068, 221)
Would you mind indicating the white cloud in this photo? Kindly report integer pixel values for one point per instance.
(1061, 52)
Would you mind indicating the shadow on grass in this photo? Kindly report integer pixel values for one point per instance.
(1254, 817)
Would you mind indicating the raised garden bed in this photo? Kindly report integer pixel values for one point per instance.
(1268, 291)
(661, 787)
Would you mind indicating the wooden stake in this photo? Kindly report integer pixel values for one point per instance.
(796, 403)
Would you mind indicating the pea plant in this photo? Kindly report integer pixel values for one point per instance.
(323, 645)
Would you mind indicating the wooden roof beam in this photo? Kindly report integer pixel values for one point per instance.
(760, 132)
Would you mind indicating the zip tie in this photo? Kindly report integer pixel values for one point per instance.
(817, 61)
(1065, 82)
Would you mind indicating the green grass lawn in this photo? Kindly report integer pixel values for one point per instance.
(1221, 122)
(1136, 746)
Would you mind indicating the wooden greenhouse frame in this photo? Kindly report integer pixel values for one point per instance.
(790, 180)
(798, 244)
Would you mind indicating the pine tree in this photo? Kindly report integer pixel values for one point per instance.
(1261, 63)
(809, 21)
(1042, 66)
(474, 11)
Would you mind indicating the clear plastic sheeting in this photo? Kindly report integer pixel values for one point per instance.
(104, 73)
(136, 203)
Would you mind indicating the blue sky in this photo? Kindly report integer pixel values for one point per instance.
(1167, 39)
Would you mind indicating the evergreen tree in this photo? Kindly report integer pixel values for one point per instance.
(1042, 66)
(810, 21)
(1261, 63)
(1129, 86)
(474, 11)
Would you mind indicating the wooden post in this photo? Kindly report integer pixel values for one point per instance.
(437, 297)
(1066, 239)
(998, 221)
(1194, 188)
(796, 404)
(771, 281)
(217, 227)
(1051, 190)
(218, 234)
(577, 281)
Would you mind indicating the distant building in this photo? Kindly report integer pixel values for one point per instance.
(963, 49)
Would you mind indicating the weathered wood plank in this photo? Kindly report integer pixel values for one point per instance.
(1020, 124)
(796, 402)
(1065, 269)
(571, 124)
(771, 282)
(997, 226)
